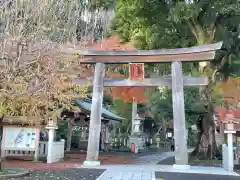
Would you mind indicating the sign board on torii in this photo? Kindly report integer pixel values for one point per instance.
(177, 81)
(136, 71)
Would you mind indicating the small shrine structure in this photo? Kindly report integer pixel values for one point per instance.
(229, 120)
(78, 125)
(231, 154)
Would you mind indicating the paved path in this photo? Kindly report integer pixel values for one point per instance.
(126, 174)
(164, 168)
(147, 166)
(154, 158)
(122, 173)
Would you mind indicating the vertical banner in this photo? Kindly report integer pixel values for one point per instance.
(136, 71)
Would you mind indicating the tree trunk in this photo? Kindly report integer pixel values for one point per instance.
(164, 128)
(206, 146)
(1, 155)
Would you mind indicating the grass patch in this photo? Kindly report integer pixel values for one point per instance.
(12, 172)
(204, 162)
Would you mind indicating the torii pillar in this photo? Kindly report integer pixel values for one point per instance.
(95, 117)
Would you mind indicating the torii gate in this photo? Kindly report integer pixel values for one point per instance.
(177, 81)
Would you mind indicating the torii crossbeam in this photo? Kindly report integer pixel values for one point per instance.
(176, 81)
(150, 82)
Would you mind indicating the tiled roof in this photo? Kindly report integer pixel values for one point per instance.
(86, 105)
(227, 116)
(230, 92)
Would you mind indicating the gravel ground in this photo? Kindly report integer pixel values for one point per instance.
(69, 174)
(185, 176)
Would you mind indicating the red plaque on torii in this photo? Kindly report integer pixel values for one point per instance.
(136, 71)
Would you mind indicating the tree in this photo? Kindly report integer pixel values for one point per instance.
(37, 65)
(128, 94)
(207, 22)
(123, 97)
(161, 106)
(36, 71)
(164, 24)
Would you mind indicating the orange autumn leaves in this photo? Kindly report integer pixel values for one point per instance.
(125, 93)
(128, 94)
(113, 43)
(230, 91)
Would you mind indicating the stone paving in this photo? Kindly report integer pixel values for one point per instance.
(146, 166)
(129, 173)
(119, 172)
(153, 158)
(125, 174)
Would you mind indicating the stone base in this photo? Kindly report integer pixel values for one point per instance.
(91, 163)
(138, 140)
(181, 167)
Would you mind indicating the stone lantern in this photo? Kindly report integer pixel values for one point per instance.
(137, 137)
(158, 140)
(51, 126)
(229, 130)
(137, 124)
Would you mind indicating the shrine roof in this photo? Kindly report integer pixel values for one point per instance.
(106, 114)
(111, 50)
(227, 116)
(23, 121)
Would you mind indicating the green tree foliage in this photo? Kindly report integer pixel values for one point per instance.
(171, 24)
(161, 105)
(153, 24)
(123, 109)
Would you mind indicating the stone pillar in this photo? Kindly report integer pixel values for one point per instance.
(125, 142)
(238, 152)
(181, 151)
(134, 113)
(222, 133)
(36, 153)
(103, 126)
(106, 134)
(52, 126)
(158, 140)
(95, 117)
(230, 149)
(69, 135)
(151, 141)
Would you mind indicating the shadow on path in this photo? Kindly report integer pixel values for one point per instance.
(168, 161)
(185, 176)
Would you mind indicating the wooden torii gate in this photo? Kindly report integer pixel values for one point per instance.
(177, 81)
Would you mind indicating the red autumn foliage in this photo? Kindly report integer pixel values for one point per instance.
(231, 94)
(125, 93)
(128, 94)
(112, 43)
